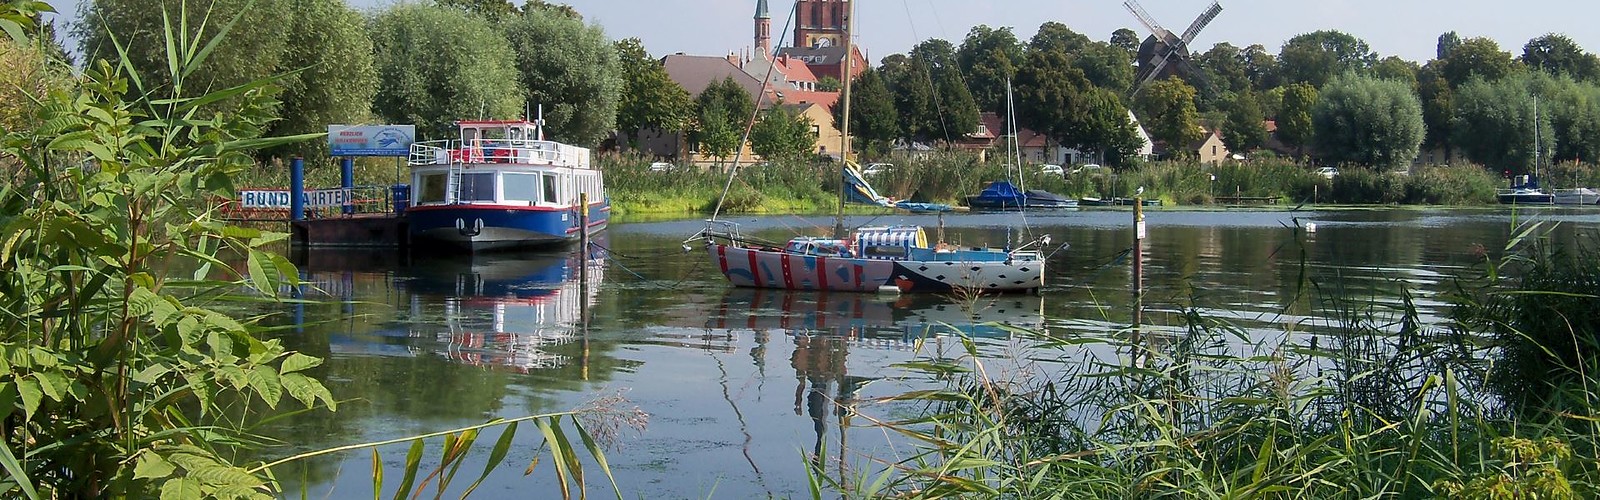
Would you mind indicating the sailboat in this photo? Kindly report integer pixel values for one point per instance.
(1002, 194)
(868, 259)
(1525, 189)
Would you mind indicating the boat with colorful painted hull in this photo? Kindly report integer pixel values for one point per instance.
(501, 186)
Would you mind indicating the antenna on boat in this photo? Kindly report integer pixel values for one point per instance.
(538, 124)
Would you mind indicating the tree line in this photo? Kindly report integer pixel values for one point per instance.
(432, 63)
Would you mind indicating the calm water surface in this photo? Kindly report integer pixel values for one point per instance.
(742, 386)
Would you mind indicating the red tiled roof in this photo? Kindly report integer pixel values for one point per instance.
(791, 96)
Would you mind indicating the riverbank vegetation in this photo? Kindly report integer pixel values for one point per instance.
(1494, 400)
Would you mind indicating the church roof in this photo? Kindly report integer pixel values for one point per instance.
(761, 10)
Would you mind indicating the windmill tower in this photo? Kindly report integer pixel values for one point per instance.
(1165, 53)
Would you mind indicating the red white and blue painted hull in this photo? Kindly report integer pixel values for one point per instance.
(772, 268)
(478, 228)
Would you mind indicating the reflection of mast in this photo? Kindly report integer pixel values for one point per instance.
(821, 374)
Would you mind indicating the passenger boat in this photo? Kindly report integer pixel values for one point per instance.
(1576, 196)
(500, 186)
(1002, 195)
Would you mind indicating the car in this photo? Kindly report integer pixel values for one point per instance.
(1051, 169)
(1328, 172)
(661, 166)
(1088, 168)
(876, 168)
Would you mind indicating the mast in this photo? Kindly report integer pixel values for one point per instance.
(844, 131)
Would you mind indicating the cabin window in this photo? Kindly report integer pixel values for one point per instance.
(550, 189)
(477, 187)
(431, 188)
(468, 135)
(522, 187)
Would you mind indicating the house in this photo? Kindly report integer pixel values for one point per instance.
(821, 115)
(1038, 148)
(1209, 149)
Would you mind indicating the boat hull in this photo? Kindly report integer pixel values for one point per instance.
(494, 228)
(763, 268)
(1579, 196)
(1526, 199)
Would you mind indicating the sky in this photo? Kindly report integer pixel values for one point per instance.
(1407, 28)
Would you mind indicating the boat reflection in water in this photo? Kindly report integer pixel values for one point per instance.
(826, 327)
(503, 311)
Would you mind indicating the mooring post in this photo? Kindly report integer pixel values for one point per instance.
(347, 181)
(297, 189)
(1138, 263)
(583, 280)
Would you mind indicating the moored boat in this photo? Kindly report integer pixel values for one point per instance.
(1576, 196)
(1526, 192)
(1002, 195)
(501, 186)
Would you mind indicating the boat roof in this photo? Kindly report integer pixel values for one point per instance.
(491, 123)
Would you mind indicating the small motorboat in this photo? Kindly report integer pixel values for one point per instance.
(1003, 195)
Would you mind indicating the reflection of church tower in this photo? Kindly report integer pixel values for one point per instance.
(820, 22)
(763, 29)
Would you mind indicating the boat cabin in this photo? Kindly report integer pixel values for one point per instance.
(502, 162)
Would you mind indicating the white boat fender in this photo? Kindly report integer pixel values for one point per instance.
(1311, 228)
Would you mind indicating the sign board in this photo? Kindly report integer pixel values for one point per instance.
(371, 140)
(279, 198)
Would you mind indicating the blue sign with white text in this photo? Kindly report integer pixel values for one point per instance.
(371, 140)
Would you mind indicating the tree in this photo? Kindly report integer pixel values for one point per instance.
(1167, 109)
(873, 121)
(1295, 128)
(1558, 55)
(337, 80)
(437, 65)
(650, 99)
(1477, 58)
(1127, 40)
(1447, 45)
(930, 96)
(1368, 121)
(988, 58)
(782, 132)
(1318, 56)
(1057, 100)
(568, 68)
(1497, 124)
(722, 110)
(1438, 106)
(1054, 36)
(1225, 76)
(1105, 66)
(1397, 69)
(1261, 66)
(828, 84)
(1574, 110)
(1244, 129)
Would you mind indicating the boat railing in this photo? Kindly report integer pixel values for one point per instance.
(511, 151)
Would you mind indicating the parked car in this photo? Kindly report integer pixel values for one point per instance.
(661, 166)
(1051, 169)
(1088, 168)
(876, 168)
(1328, 172)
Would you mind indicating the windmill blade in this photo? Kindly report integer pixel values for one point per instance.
(1145, 19)
(1155, 69)
(1201, 22)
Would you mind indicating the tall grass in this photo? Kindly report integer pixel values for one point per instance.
(1373, 402)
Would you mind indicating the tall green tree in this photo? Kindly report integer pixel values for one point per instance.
(1244, 130)
(1498, 123)
(1056, 99)
(1477, 57)
(873, 120)
(1054, 36)
(1317, 57)
(650, 99)
(570, 69)
(255, 47)
(932, 99)
(437, 65)
(337, 78)
(1127, 40)
(1261, 66)
(1397, 69)
(1295, 128)
(782, 132)
(1574, 110)
(1167, 109)
(721, 112)
(1448, 41)
(1438, 106)
(1368, 121)
(1558, 55)
(988, 58)
(1105, 66)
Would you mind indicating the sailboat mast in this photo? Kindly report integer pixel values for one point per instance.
(844, 130)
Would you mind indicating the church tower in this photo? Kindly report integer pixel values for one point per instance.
(763, 29)
(820, 22)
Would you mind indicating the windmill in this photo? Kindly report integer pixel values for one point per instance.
(1165, 53)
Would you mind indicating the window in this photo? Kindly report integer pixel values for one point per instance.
(816, 130)
(521, 187)
(550, 189)
(431, 188)
(477, 187)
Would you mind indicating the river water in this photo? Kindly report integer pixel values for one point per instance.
(744, 387)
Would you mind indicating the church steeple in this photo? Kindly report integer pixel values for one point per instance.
(763, 29)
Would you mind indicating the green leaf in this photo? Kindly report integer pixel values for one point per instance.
(266, 383)
(28, 389)
(15, 472)
(222, 475)
(301, 387)
(498, 454)
(377, 476)
(413, 462)
(180, 489)
(52, 383)
(152, 466)
(233, 375)
(297, 362)
(258, 274)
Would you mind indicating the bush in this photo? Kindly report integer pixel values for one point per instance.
(1364, 186)
(1451, 185)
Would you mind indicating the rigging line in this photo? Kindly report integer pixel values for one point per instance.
(761, 95)
(933, 87)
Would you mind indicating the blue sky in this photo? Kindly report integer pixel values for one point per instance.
(1408, 28)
